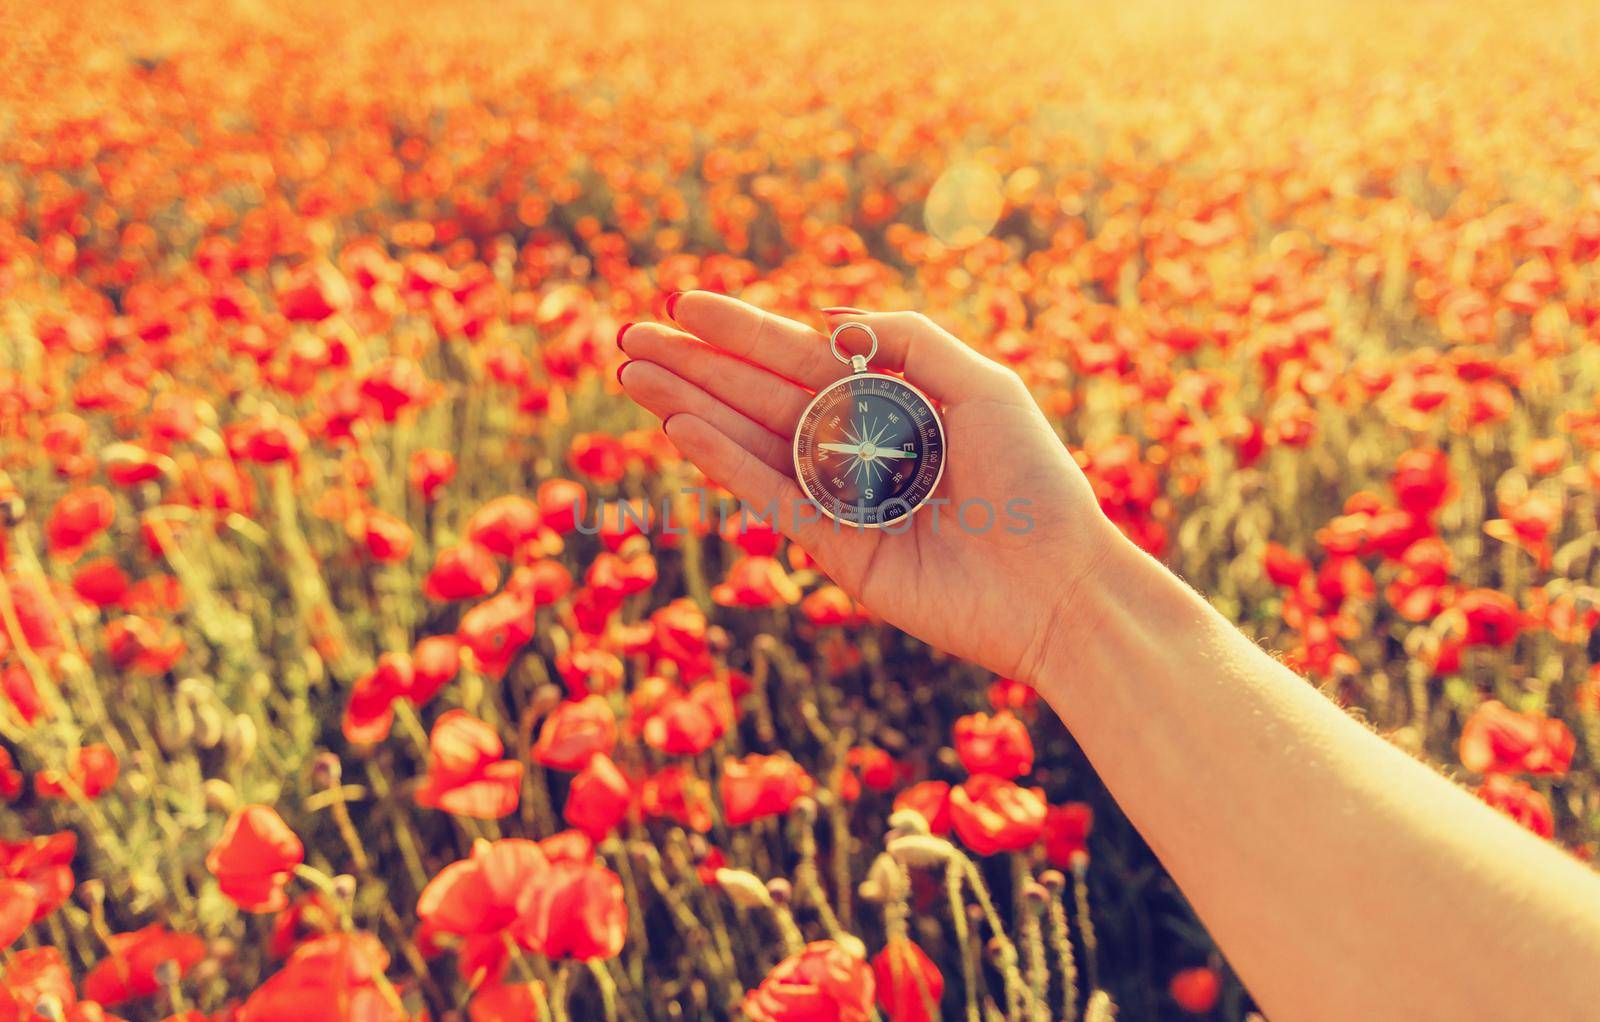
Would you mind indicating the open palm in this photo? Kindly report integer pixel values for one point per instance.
(982, 571)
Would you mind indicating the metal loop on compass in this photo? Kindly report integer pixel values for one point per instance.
(858, 363)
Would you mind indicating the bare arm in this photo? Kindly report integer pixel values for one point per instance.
(1343, 878)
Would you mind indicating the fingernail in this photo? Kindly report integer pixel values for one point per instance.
(664, 423)
(844, 310)
(672, 303)
(620, 368)
(620, 331)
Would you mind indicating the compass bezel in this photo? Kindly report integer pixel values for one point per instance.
(827, 502)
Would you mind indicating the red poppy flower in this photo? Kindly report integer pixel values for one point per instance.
(478, 895)
(932, 800)
(93, 771)
(387, 538)
(44, 863)
(1497, 739)
(1518, 800)
(77, 519)
(1196, 990)
(1492, 618)
(681, 726)
(508, 1002)
(504, 524)
(435, 661)
(1066, 833)
(598, 798)
(760, 786)
(369, 714)
(575, 731)
(10, 776)
(997, 745)
(395, 384)
(101, 582)
(756, 582)
(496, 630)
(18, 903)
(313, 292)
(991, 815)
(462, 573)
(254, 857)
(822, 981)
(675, 793)
(32, 976)
(431, 470)
(830, 606)
(909, 984)
(876, 768)
(562, 503)
(1422, 480)
(1284, 568)
(575, 911)
(334, 978)
(129, 969)
(466, 774)
(598, 456)
(148, 645)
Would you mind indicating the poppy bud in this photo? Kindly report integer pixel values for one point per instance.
(744, 888)
(92, 893)
(326, 771)
(344, 887)
(49, 1007)
(1053, 880)
(241, 739)
(220, 795)
(921, 850)
(13, 510)
(908, 821)
(207, 727)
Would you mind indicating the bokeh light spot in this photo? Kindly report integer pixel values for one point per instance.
(964, 204)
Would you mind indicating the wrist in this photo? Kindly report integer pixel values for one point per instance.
(1115, 576)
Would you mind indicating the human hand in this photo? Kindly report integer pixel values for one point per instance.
(730, 387)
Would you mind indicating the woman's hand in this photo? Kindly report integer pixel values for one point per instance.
(987, 573)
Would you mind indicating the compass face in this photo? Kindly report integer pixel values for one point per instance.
(869, 449)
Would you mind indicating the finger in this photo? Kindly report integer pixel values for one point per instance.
(664, 394)
(757, 394)
(927, 355)
(766, 491)
(792, 350)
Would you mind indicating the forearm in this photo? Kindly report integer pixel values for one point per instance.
(1342, 878)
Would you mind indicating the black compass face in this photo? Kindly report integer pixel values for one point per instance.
(869, 449)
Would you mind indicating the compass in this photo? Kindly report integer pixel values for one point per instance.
(869, 449)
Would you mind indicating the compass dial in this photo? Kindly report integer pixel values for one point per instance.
(869, 449)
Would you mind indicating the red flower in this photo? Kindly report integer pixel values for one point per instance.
(477, 896)
(313, 292)
(100, 582)
(10, 776)
(997, 745)
(1518, 800)
(44, 863)
(682, 726)
(1284, 568)
(1492, 617)
(387, 538)
(337, 978)
(129, 971)
(435, 661)
(909, 984)
(599, 797)
(598, 456)
(1066, 833)
(1496, 739)
(932, 800)
(466, 774)
(756, 582)
(1196, 990)
(508, 1002)
(461, 573)
(31, 977)
(1422, 481)
(76, 519)
(369, 713)
(94, 770)
(496, 630)
(504, 524)
(147, 645)
(759, 786)
(830, 606)
(876, 768)
(254, 857)
(677, 794)
(575, 731)
(430, 471)
(821, 982)
(18, 903)
(394, 384)
(992, 815)
(562, 503)
(576, 911)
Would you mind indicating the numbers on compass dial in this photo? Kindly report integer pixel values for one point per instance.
(869, 449)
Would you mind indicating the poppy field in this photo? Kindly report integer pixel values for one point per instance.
(363, 657)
